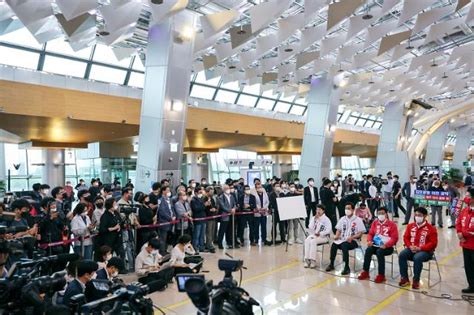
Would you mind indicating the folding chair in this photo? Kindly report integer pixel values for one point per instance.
(319, 249)
(353, 255)
(390, 262)
(435, 262)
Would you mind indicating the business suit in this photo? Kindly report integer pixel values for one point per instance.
(226, 204)
(246, 219)
(310, 205)
(180, 208)
(260, 219)
(73, 288)
(276, 215)
(102, 274)
(406, 192)
(165, 214)
(397, 200)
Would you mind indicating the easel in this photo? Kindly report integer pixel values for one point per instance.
(288, 232)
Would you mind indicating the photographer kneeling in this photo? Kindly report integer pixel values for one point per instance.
(183, 263)
(114, 265)
(147, 265)
(86, 270)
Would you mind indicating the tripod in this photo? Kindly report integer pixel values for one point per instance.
(288, 232)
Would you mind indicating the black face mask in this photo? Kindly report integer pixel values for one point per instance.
(25, 214)
(99, 205)
(146, 203)
(89, 199)
(65, 196)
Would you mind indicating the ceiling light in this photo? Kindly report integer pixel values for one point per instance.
(434, 64)
(176, 105)
(157, 1)
(104, 33)
(409, 112)
(187, 33)
(241, 31)
(417, 114)
(452, 120)
(444, 75)
(288, 49)
(232, 67)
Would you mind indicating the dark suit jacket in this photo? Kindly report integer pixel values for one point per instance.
(307, 195)
(102, 274)
(73, 288)
(406, 190)
(164, 215)
(225, 206)
(252, 203)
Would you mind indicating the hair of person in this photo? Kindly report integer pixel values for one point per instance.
(19, 204)
(98, 198)
(152, 235)
(109, 203)
(46, 202)
(396, 176)
(107, 188)
(327, 181)
(209, 188)
(383, 209)
(45, 186)
(197, 189)
(310, 180)
(422, 210)
(154, 243)
(350, 204)
(86, 266)
(156, 186)
(116, 262)
(321, 206)
(126, 190)
(36, 187)
(363, 205)
(164, 188)
(256, 179)
(103, 250)
(246, 187)
(80, 208)
(81, 193)
(138, 196)
(56, 191)
(183, 239)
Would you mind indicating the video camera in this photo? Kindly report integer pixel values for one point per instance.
(225, 298)
(128, 209)
(129, 299)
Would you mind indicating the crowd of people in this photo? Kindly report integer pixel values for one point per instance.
(161, 233)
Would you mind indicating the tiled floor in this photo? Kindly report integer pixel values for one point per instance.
(279, 282)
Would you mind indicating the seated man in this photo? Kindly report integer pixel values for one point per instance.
(382, 237)
(349, 229)
(320, 228)
(420, 239)
(147, 265)
(114, 265)
(85, 272)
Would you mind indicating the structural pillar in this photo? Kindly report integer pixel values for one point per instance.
(197, 166)
(463, 143)
(318, 139)
(282, 165)
(3, 171)
(391, 153)
(164, 102)
(54, 169)
(435, 147)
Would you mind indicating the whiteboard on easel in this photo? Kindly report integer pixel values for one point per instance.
(291, 208)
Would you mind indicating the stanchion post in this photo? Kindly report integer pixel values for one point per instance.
(182, 226)
(81, 239)
(233, 230)
(274, 227)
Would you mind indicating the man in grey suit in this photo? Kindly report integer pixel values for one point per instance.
(408, 191)
(227, 205)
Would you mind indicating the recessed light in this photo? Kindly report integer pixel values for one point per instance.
(288, 49)
(104, 33)
(232, 67)
(444, 76)
(157, 1)
(285, 80)
(367, 16)
(391, 90)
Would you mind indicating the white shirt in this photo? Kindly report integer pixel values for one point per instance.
(389, 186)
(80, 228)
(177, 256)
(96, 215)
(321, 225)
(372, 191)
(144, 260)
(412, 190)
(349, 227)
(311, 190)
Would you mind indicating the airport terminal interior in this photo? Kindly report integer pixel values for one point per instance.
(306, 156)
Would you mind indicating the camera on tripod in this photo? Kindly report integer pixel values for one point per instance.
(128, 209)
(225, 298)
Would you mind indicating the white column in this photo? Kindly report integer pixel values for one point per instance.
(463, 143)
(54, 169)
(435, 147)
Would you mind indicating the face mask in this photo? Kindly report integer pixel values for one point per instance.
(292, 189)
(232, 190)
(278, 189)
(260, 190)
(227, 191)
(203, 182)
(348, 212)
(154, 252)
(168, 194)
(199, 195)
(53, 210)
(115, 207)
(193, 185)
(108, 257)
(99, 205)
(297, 182)
(46, 192)
(381, 217)
(247, 191)
(115, 274)
(311, 183)
(419, 220)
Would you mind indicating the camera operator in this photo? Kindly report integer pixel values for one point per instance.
(114, 266)
(147, 265)
(109, 228)
(128, 219)
(145, 217)
(51, 227)
(86, 271)
(81, 226)
(21, 208)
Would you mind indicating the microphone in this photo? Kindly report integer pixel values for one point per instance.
(12, 229)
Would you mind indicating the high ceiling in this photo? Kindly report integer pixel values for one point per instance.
(378, 50)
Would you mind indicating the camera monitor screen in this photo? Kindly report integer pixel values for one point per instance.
(182, 278)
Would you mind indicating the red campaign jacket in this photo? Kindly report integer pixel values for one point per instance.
(387, 228)
(465, 225)
(424, 236)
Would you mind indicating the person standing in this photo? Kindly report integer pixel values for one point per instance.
(109, 228)
(311, 199)
(387, 188)
(397, 197)
(227, 207)
(260, 217)
(165, 215)
(320, 229)
(293, 224)
(436, 210)
(198, 209)
(277, 193)
(465, 231)
(81, 226)
(381, 239)
(211, 210)
(408, 191)
(328, 199)
(247, 204)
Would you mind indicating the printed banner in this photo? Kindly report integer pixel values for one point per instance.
(432, 198)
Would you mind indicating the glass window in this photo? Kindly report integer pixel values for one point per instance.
(247, 100)
(226, 96)
(21, 37)
(270, 94)
(204, 92)
(282, 107)
(266, 104)
(107, 74)
(288, 98)
(301, 101)
(377, 125)
(64, 66)
(234, 85)
(360, 122)
(136, 79)
(252, 89)
(138, 64)
(369, 123)
(18, 58)
(60, 46)
(297, 110)
(351, 120)
(344, 116)
(201, 78)
(105, 54)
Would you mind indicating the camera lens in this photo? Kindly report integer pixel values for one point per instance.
(198, 293)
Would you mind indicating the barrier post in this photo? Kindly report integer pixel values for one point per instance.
(274, 227)
(182, 226)
(233, 230)
(81, 239)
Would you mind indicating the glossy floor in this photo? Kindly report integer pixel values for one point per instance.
(278, 280)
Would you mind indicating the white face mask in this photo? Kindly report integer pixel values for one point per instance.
(115, 274)
(348, 212)
(232, 190)
(154, 252)
(115, 207)
(297, 182)
(109, 256)
(193, 185)
(199, 195)
(168, 194)
(311, 183)
(419, 219)
(46, 191)
(247, 191)
(203, 182)
(83, 214)
(292, 189)
(381, 217)
(227, 191)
